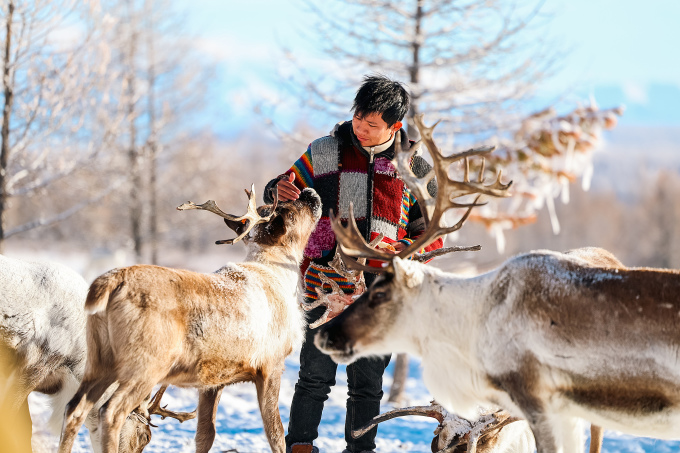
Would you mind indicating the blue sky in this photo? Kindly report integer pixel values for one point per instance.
(622, 52)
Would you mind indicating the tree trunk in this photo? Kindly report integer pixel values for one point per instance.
(414, 72)
(401, 365)
(133, 151)
(6, 113)
(400, 375)
(152, 143)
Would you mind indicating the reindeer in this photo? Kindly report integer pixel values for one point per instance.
(152, 324)
(43, 348)
(492, 432)
(551, 337)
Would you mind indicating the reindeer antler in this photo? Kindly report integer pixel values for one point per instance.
(251, 217)
(351, 242)
(453, 432)
(155, 408)
(337, 300)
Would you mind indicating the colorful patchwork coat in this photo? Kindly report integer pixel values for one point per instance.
(342, 171)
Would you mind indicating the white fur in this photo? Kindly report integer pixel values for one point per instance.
(42, 319)
(41, 312)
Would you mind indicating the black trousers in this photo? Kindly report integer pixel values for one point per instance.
(317, 376)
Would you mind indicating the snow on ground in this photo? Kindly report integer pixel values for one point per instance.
(239, 427)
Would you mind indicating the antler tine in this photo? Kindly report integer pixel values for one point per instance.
(425, 411)
(433, 209)
(403, 163)
(422, 257)
(484, 427)
(331, 300)
(155, 408)
(324, 299)
(352, 243)
(251, 217)
(356, 264)
(209, 205)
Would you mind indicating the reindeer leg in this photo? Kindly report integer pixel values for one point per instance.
(113, 413)
(571, 434)
(207, 412)
(69, 384)
(268, 397)
(543, 433)
(554, 433)
(596, 437)
(79, 407)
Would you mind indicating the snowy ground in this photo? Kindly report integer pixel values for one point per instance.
(239, 424)
(240, 427)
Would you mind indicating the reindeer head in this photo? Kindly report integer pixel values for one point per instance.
(286, 224)
(292, 222)
(363, 328)
(367, 327)
(136, 432)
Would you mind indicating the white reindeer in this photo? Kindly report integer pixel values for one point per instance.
(43, 347)
(154, 325)
(551, 337)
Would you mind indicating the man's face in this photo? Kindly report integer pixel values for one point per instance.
(372, 130)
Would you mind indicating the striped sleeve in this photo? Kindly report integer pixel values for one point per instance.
(304, 175)
(313, 281)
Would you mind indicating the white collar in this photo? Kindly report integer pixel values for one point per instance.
(380, 148)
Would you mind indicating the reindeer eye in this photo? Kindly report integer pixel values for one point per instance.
(377, 297)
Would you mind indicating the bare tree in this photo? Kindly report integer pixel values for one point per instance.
(164, 82)
(134, 154)
(57, 116)
(468, 62)
(152, 140)
(177, 77)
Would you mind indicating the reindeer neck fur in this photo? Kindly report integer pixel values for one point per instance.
(286, 256)
(443, 318)
(282, 248)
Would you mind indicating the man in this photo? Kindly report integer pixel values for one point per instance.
(352, 165)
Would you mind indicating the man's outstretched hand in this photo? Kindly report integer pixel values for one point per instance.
(392, 247)
(287, 191)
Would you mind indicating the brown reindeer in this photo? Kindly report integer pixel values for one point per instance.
(550, 337)
(152, 324)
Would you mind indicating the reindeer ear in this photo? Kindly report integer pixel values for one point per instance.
(405, 274)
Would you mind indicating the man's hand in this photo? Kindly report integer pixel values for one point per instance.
(287, 191)
(392, 247)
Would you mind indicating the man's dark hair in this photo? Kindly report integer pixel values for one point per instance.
(378, 94)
